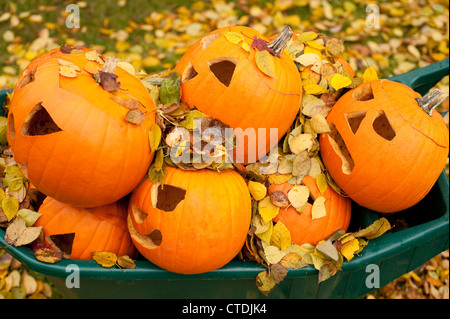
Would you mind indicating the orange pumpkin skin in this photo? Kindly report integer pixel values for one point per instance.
(389, 173)
(96, 157)
(96, 229)
(206, 229)
(252, 100)
(302, 227)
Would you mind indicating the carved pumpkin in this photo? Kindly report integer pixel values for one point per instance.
(384, 150)
(302, 226)
(68, 135)
(96, 229)
(220, 77)
(197, 222)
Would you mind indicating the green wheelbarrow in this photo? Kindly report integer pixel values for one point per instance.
(388, 257)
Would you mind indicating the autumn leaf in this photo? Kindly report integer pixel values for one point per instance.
(281, 237)
(135, 116)
(105, 259)
(370, 74)
(169, 91)
(278, 198)
(48, 255)
(339, 81)
(154, 136)
(18, 234)
(108, 81)
(321, 182)
(257, 190)
(67, 71)
(265, 282)
(278, 272)
(318, 209)
(264, 62)
(298, 196)
(234, 37)
(10, 206)
(376, 229)
(126, 262)
(267, 210)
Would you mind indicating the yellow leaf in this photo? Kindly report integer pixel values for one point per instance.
(307, 36)
(10, 206)
(94, 56)
(321, 182)
(265, 282)
(315, 45)
(281, 237)
(258, 190)
(301, 142)
(376, 229)
(318, 209)
(267, 210)
(293, 261)
(266, 235)
(298, 196)
(339, 81)
(349, 249)
(370, 74)
(92, 67)
(105, 259)
(67, 63)
(67, 71)
(279, 179)
(234, 37)
(264, 62)
(154, 136)
(273, 254)
(307, 59)
(314, 89)
(319, 124)
(245, 46)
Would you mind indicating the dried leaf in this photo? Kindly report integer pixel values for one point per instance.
(265, 283)
(279, 199)
(126, 262)
(10, 206)
(267, 210)
(92, 67)
(273, 254)
(301, 165)
(307, 59)
(301, 142)
(48, 255)
(278, 272)
(257, 190)
(318, 208)
(18, 234)
(293, 261)
(281, 237)
(264, 62)
(328, 249)
(154, 136)
(67, 71)
(135, 116)
(93, 55)
(349, 248)
(29, 215)
(319, 124)
(126, 101)
(298, 196)
(327, 270)
(321, 182)
(376, 229)
(105, 259)
(108, 81)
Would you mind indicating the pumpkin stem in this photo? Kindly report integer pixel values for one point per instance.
(281, 41)
(431, 100)
(110, 64)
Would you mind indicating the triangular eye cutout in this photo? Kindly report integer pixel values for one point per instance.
(382, 127)
(189, 73)
(354, 120)
(223, 69)
(39, 122)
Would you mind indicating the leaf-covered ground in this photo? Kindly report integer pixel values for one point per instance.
(152, 35)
